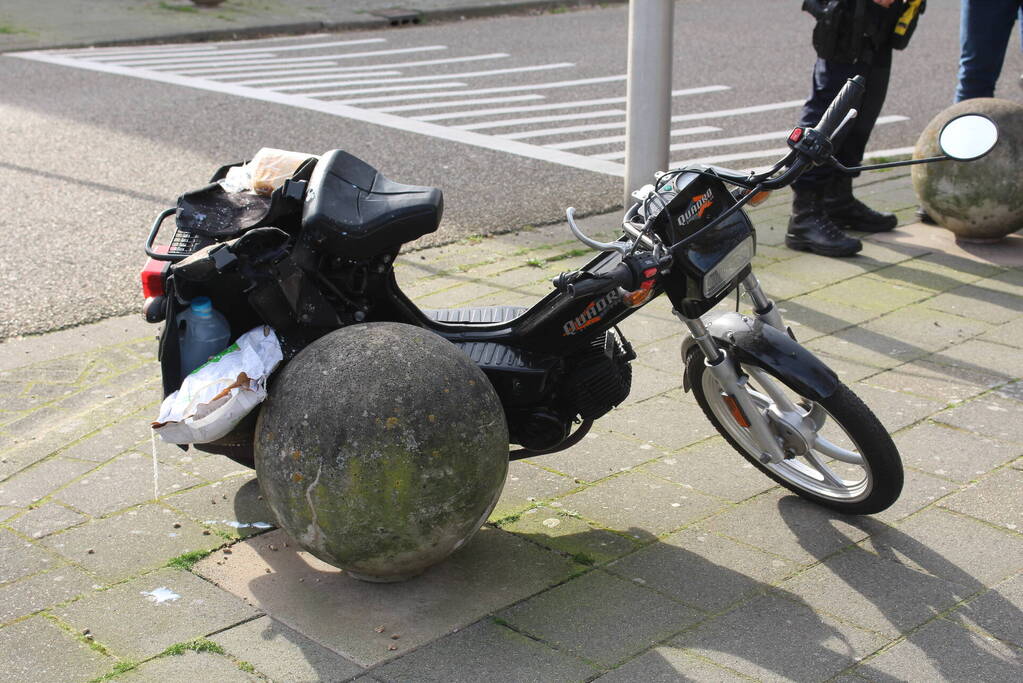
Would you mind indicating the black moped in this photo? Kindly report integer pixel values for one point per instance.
(319, 254)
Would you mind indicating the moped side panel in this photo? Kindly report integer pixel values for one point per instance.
(751, 341)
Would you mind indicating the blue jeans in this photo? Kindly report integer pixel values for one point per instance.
(984, 29)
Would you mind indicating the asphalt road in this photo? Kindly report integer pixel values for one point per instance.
(89, 157)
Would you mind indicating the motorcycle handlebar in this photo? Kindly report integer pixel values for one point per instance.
(846, 99)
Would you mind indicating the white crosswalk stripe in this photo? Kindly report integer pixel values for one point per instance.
(560, 112)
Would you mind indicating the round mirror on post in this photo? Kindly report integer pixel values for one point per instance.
(968, 137)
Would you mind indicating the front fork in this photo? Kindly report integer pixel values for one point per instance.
(734, 385)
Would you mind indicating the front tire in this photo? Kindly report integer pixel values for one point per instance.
(851, 464)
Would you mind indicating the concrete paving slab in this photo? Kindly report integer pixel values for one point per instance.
(874, 593)
(919, 491)
(45, 520)
(554, 528)
(952, 453)
(37, 651)
(189, 666)
(142, 617)
(128, 543)
(750, 640)
(112, 441)
(23, 558)
(942, 651)
(124, 482)
(308, 595)
(485, 651)
(598, 456)
(964, 551)
(599, 617)
(529, 483)
(932, 273)
(648, 381)
(995, 499)
(978, 302)
(998, 612)
(867, 348)
(1006, 253)
(782, 524)
(680, 421)
(894, 409)
(233, 507)
(283, 654)
(936, 381)
(1010, 334)
(212, 468)
(640, 505)
(976, 355)
(701, 569)
(712, 467)
(926, 328)
(871, 295)
(811, 316)
(36, 483)
(989, 416)
(668, 665)
(43, 590)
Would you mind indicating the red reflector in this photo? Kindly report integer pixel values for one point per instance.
(649, 272)
(795, 135)
(152, 274)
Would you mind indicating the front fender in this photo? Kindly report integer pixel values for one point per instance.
(748, 340)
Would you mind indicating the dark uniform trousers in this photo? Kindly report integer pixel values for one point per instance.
(828, 78)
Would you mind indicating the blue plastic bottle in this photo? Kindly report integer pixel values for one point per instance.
(202, 332)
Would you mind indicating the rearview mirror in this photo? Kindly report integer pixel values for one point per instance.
(968, 137)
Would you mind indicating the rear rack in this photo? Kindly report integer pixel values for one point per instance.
(183, 243)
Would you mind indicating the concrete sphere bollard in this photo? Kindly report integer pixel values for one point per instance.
(977, 200)
(381, 449)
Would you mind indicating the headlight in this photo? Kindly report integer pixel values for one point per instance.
(719, 277)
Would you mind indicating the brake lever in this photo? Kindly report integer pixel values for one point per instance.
(618, 246)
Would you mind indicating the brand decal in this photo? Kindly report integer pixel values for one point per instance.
(592, 314)
(700, 204)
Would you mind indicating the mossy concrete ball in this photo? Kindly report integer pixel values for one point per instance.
(982, 199)
(381, 448)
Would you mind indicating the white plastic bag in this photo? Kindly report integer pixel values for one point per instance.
(215, 397)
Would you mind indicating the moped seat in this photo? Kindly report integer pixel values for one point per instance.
(351, 209)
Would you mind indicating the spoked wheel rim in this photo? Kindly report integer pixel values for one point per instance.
(825, 461)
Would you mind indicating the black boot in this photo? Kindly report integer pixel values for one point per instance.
(810, 228)
(852, 214)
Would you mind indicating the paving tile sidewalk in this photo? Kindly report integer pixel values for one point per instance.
(649, 551)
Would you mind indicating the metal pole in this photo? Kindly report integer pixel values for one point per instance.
(648, 108)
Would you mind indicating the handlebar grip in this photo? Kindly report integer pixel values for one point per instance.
(847, 98)
(622, 276)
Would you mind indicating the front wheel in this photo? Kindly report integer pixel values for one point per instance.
(837, 452)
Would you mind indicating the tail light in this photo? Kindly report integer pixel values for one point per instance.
(153, 275)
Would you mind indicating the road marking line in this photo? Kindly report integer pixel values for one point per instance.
(591, 142)
(206, 52)
(739, 140)
(393, 88)
(230, 65)
(755, 109)
(545, 107)
(465, 74)
(335, 71)
(462, 103)
(487, 91)
(343, 110)
(543, 119)
(780, 152)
